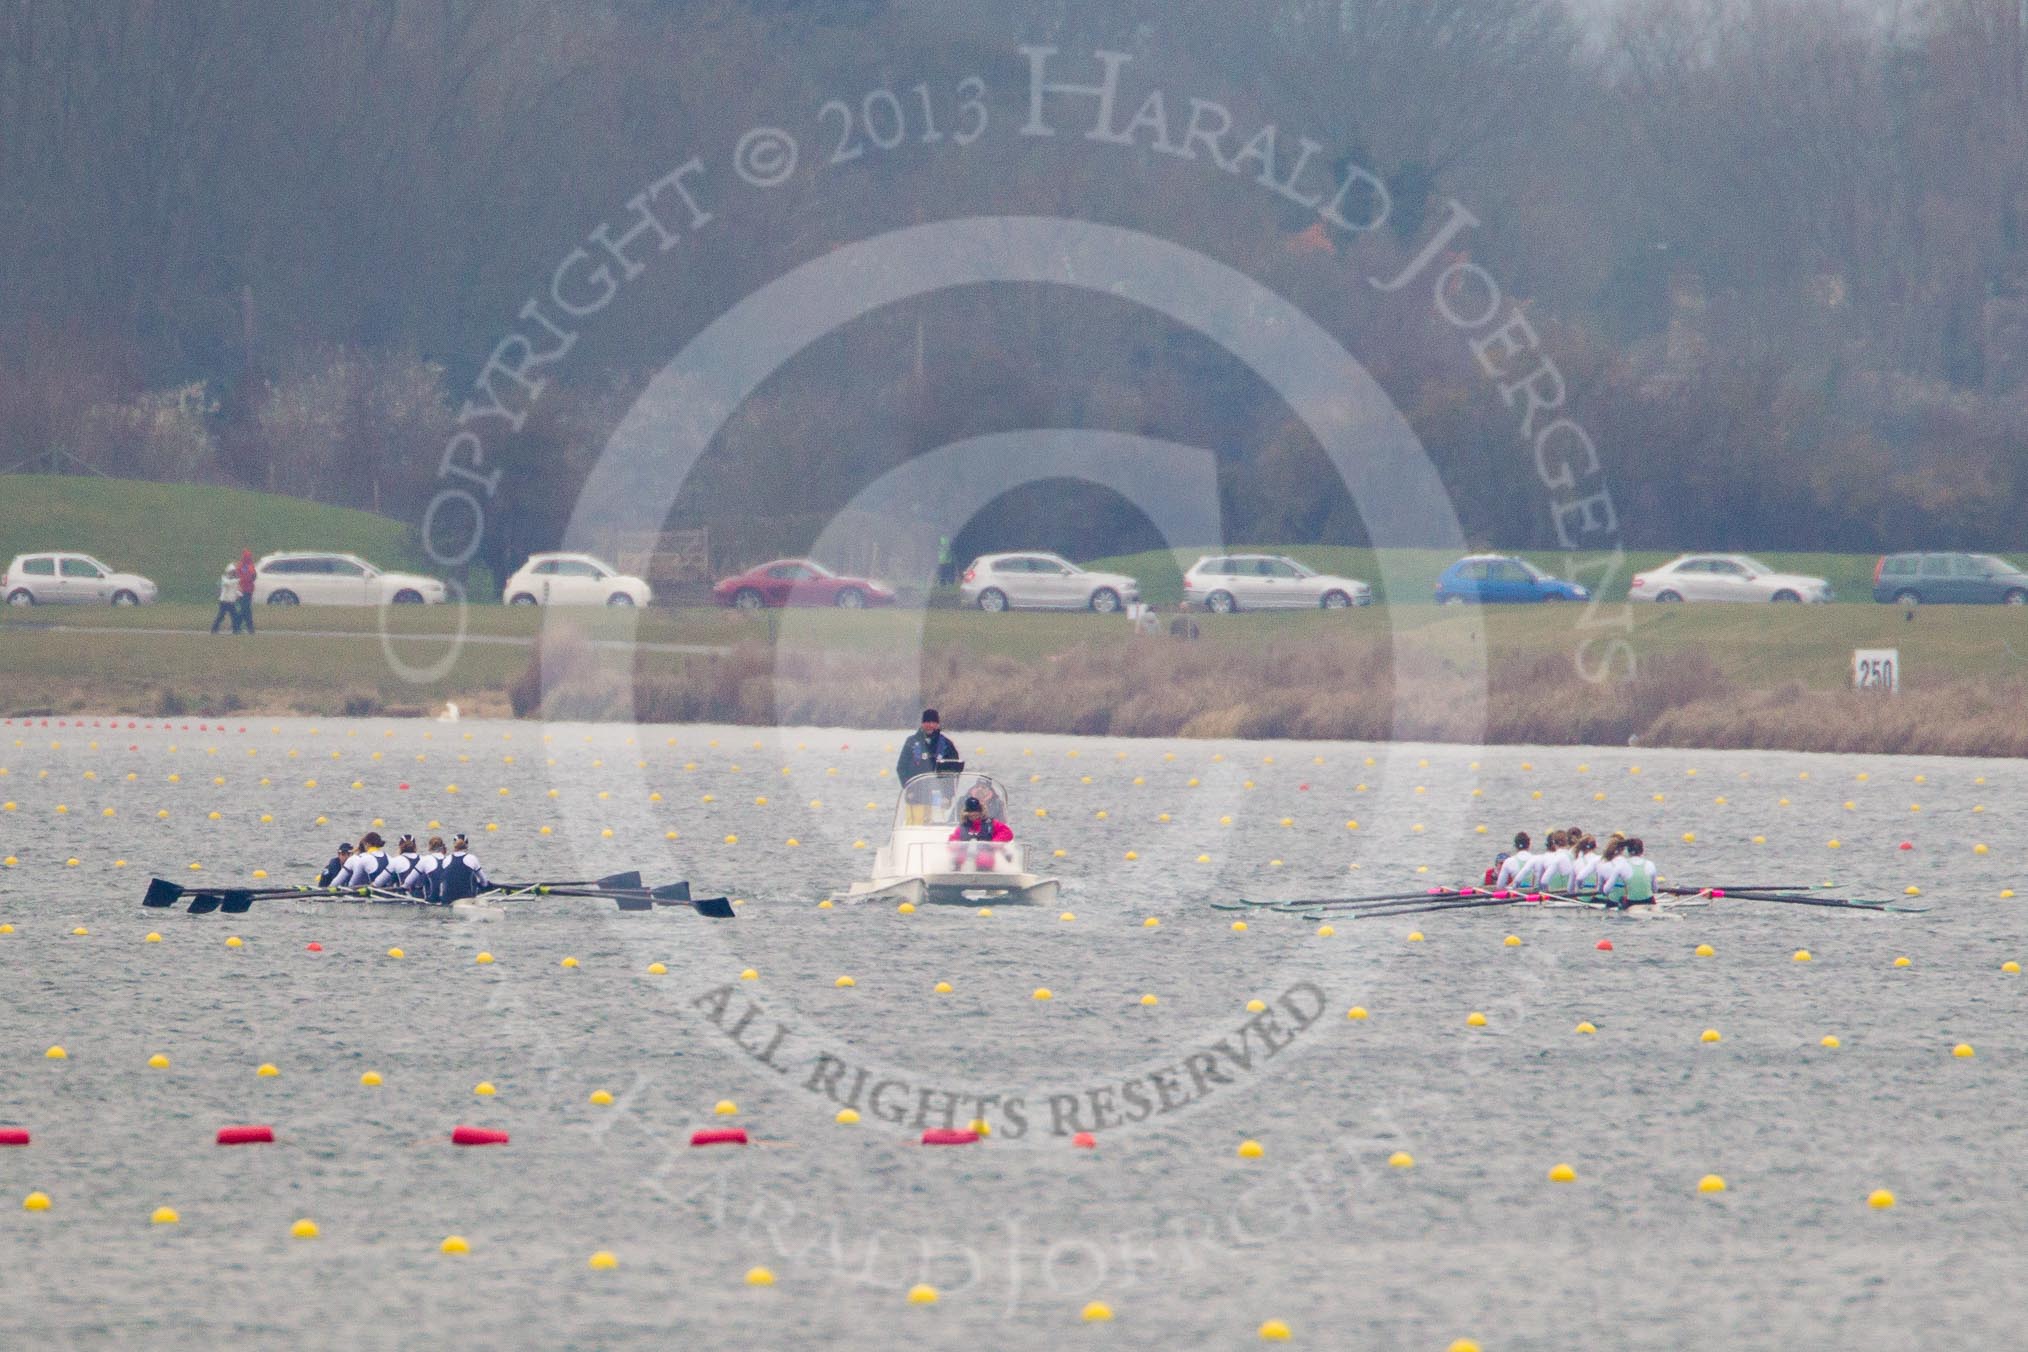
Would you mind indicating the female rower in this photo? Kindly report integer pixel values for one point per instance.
(460, 875)
(1513, 864)
(368, 864)
(401, 864)
(1559, 866)
(1634, 878)
(422, 878)
(1584, 876)
(975, 837)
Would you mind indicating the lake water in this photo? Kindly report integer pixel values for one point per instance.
(1188, 1243)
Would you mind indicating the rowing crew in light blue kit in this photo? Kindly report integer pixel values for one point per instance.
(441, 874)
(1621, 875)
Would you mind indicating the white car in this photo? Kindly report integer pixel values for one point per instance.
(573, 580)
(72, 579)
(1222, 583)
(1724, 577)
(1043, 582)
(313, 579)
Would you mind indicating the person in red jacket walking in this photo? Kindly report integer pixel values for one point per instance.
(246, 581)
(975, 837)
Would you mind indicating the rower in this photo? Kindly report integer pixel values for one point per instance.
(337, 865)
(460, 875)
(401, 865)
(1584, 874)
(976, 835)
(1634, 879)
(1511, 866)
(1559, 866)
(368, 864)
(1528, 878)
(422, 879)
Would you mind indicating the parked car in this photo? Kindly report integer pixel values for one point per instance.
(1948, 579)
(1724, 577)
(1227, 582)
(1497, 579)
(573, 580)
(314, 579)
(799, 582)
(1035, 581)
(58, 579)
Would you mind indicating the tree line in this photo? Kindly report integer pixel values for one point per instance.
(1775, 247)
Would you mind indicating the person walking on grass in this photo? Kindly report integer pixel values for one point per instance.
(228, 599)
(246, 574)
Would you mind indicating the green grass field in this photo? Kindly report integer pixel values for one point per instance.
(181, 535)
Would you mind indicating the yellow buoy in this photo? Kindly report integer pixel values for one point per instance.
(941, 988)
(1802, 955)
(1709, 1035)
(1149, 1000)
(1963, 1051)
(759, 1276)
(268, 1070)
(1401, 1159)
(1706, 951)
(602, 1098)
(396, 953)
(164, 1215)
(1475, 1020)
(1238, 926)
(1829, 1040)
(844, 981)
(1097, 1312)
(1274, 1331)
(1587, 1027)
(234, 941)
(1255, 1006)
(35, 1201)
(603, 1261)
(371, 1079)
(158, 1062)
(1325, 931)
(484, 1089)
(725, 1108)
(2010, 967)
(1415, 936)
(1562, 1173)
(455, 1244)
(1250, 1150)
(1901, 962)
(568, 962)
(1880, 1199)
(304, 1229)
(56, 1054)
(1356, 1013)
(922, 1293)
(1711, 1183)
(1044, 993)
(1151, 922)
(1512, 941)
(906, 908)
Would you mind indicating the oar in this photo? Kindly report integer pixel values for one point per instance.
(1424, 894)
(642, 899)
(613, 882)
(1842, 903)
(1742, 887)
(161, 892)
(1382, 907)
(1469, 904)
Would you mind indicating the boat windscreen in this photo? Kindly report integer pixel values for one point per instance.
(938, 799)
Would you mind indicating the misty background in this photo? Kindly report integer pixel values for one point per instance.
(1776, 248)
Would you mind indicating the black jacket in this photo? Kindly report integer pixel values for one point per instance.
(331, 871)
(920, 754)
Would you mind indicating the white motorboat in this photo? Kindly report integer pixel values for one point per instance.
(920, 862)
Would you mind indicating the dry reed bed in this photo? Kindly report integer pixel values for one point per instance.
(1324, 690)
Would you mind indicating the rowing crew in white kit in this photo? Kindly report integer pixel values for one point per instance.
(1621, 875)
(440, 874)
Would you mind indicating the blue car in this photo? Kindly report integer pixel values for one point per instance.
(1501, 579)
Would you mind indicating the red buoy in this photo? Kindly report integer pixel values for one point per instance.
(1605, 945)
(1084, 1140)
(477, 1136)
(949, 1136)
(13, 1136)
(249, 1135)
(718, 1136)
(314, 947)
(1906, 845)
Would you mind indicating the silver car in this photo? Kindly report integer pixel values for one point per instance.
(1043, 582)
(1226, 582)
(72, 579)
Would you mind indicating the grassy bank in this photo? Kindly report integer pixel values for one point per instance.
(1705, 676)
(182, 534)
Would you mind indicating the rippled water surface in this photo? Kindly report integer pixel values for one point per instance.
(1187, 1242)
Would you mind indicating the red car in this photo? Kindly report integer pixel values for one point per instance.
(799, 582)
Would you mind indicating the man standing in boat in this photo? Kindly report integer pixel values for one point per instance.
(925, 749)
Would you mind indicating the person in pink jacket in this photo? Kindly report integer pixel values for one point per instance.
(976, 835)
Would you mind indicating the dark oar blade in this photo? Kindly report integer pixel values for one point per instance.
(204, 903)
(635, 903)
(672, 892)
(234, 903)
(620, 882)
(718, 908)
(162, 892)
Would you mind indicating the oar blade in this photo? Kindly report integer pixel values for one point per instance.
(672, 892)
(635, 903)
(236, 903)
(718, 908)
(162, 892)
(204, 903)
(620, 882)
